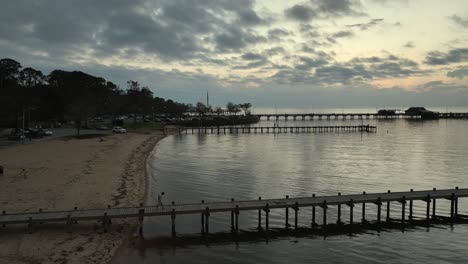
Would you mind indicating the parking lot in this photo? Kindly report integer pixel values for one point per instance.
(57, 133)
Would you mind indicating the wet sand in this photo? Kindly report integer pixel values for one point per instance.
(62, 174)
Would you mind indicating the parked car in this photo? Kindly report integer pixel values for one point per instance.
(34, 133)
(16, 135)
(102, 127)
(46, 132)
(119, 130)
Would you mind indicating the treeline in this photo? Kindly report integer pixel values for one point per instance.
(28, 97)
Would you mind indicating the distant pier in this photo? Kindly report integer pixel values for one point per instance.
(403, 200)
(277, 129)
(353, 116)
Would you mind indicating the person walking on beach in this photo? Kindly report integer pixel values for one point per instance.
(160, 203)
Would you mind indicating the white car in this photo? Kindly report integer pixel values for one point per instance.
(46, 132)
(119, 130)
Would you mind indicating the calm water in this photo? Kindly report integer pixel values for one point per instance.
(402, 155)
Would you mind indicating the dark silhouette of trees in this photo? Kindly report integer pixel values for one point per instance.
(202, 109)
(232, 108)
(10, 94)
(245, 107)
(27, 95)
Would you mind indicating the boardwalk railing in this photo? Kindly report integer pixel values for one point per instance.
(235, 207)
(277, 129)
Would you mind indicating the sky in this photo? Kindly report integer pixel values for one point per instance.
(272, 53)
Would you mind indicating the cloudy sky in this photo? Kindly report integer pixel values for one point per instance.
(306, 53)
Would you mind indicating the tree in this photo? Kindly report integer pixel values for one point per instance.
(82, 94)
(218, 110)
(9, 70)
(132, 103)
(10, 94)
(29, 80)
(201, 108)
(230, 107)
(245, 107)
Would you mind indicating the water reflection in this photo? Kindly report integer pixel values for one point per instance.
(401, 155)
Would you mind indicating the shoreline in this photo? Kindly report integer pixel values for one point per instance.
(132, 239)
(62, 173)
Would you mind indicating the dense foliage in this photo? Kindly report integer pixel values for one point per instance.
(28, 97)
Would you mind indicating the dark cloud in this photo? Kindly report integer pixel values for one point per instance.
(307, 63)
(442, 58)
(340, 34)
(359, 69)
(409, 45)
(274, 51)
(338, 7)
(338, 74)
(301, 13)
(459, 73)
(252, 56)
(277, 33)
(463, 22)
(343, 34)
(308, 31)
(324, 9)
(366, 26)
(250, 17)
(235, 38)
(307, 48)
(167, 29)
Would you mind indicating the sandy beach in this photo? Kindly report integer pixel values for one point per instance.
(65, 173)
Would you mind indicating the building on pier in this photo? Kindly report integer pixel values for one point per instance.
(422, 112)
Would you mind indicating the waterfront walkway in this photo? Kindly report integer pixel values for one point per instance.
(263, 206)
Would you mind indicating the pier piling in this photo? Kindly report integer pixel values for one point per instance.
(351, 209)
(296, 209)
(259, 227)
(388, 209)
(410, 217)
(338, 221)
(313, 213)
(173, 217)
(287, 214)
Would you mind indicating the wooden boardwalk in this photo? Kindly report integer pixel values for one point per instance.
(277, 129)
(235, 207)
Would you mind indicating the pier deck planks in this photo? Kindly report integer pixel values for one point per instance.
(197, 208)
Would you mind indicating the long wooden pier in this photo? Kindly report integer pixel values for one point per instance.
(277, 129)
(263, 206)
(352, 116)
